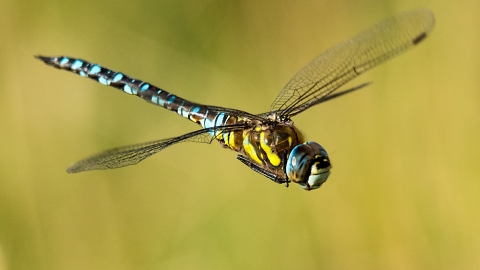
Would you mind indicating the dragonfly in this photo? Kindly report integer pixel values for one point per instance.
(268, 143)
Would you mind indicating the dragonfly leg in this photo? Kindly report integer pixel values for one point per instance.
(284, 166)
(255, 167)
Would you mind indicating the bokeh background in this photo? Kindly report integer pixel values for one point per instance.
(405, 187)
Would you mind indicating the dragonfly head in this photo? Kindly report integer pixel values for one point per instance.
(308, 165)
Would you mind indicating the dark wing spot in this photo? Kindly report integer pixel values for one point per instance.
(419, 38)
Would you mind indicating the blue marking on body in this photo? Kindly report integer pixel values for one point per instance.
(181, 111)
(144, 87)
(161, 102)
(77, 64)
(204, 119)
(171, 99)
(117, 77)
(195, 109)
(154, 99)
(94, 69)
(64, 61)
(104, 81)
(207, 123)
(134, 89)
(219, 119)
(127, 89)
(194, 113)
(82, 73)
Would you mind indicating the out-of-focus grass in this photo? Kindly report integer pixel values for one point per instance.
(404, 192)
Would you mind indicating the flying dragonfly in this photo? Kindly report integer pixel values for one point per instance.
(268, 143)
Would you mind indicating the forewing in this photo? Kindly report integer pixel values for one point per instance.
(345, 61)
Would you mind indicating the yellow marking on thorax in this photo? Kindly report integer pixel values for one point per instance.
(250, 150)
(231, 140)
(272, 157)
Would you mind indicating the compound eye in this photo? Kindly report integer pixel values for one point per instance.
(317, 149)
(320, 168)
(308, 165)
(299, 162)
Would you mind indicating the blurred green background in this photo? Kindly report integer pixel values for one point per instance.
(404, 191)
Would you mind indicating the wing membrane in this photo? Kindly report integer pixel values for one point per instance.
(303, 107)
(347, 60)
(133, 154)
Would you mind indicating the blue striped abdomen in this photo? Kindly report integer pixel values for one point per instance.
(194, 112)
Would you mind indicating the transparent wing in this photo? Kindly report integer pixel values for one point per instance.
(304, 106)
(345, 61)
(133, 154)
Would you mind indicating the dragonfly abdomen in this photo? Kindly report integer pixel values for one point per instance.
(192, 111)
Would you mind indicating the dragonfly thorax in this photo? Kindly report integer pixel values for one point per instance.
(267, 143)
